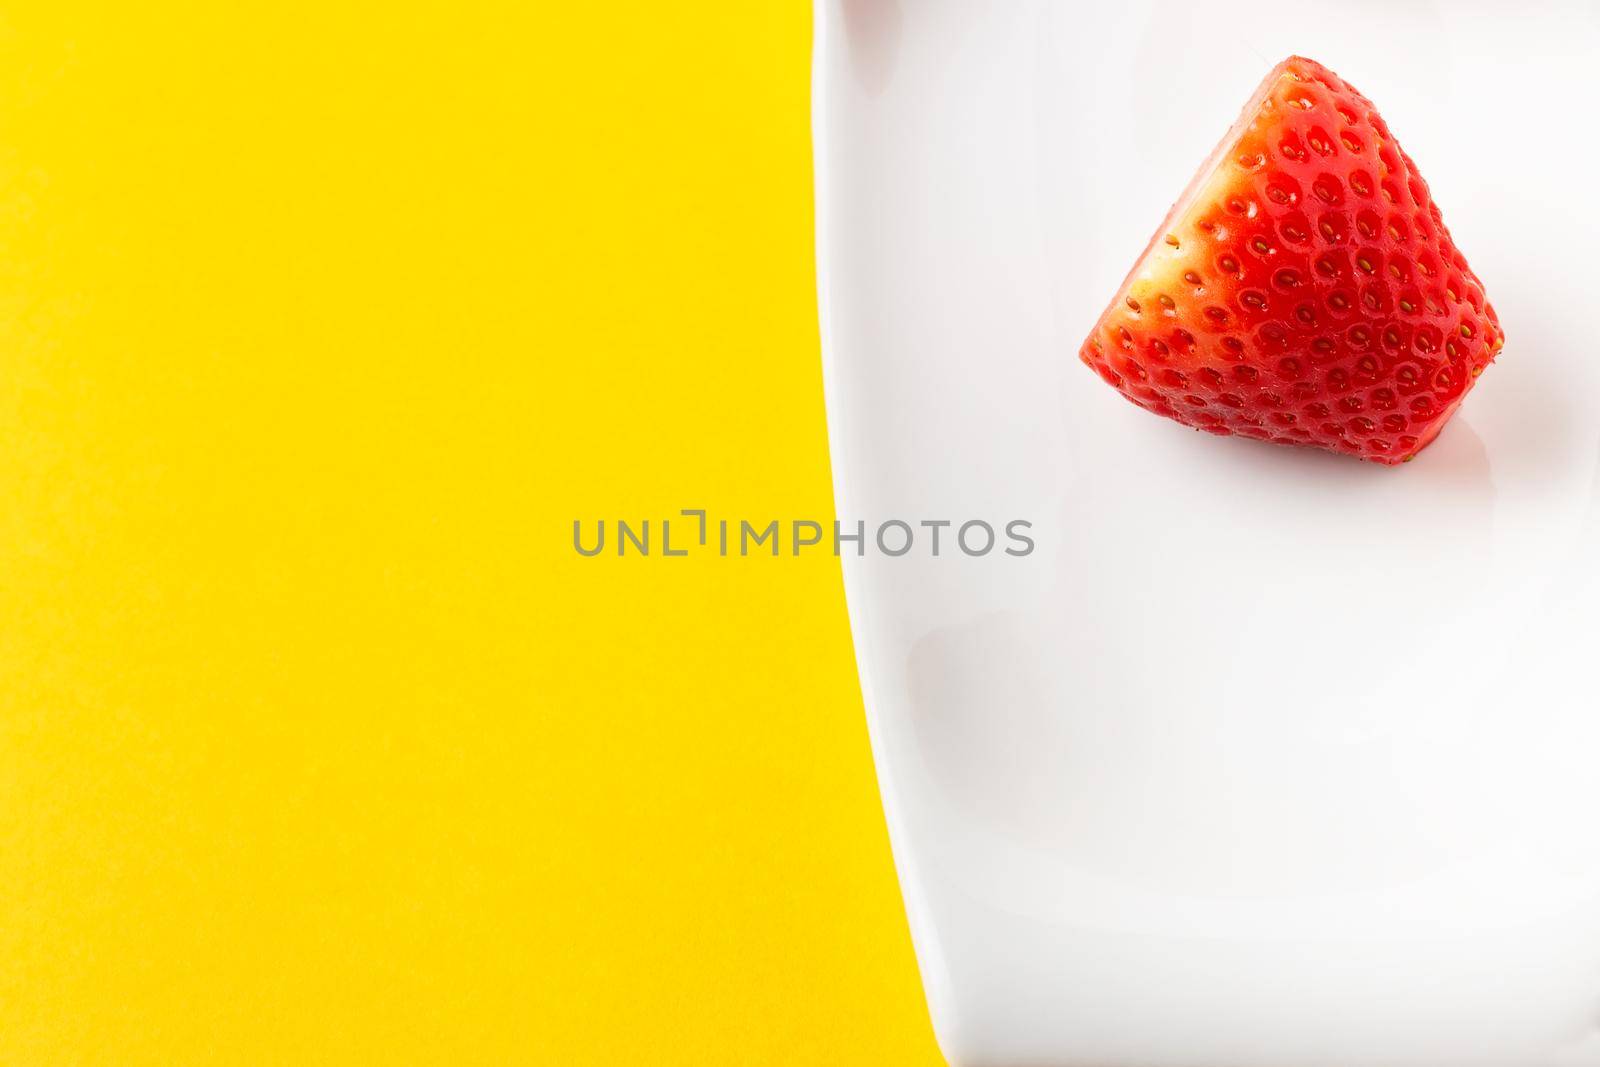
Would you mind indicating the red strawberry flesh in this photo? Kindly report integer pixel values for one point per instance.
(1304, 290)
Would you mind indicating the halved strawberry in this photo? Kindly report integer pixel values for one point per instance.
(1304, 289)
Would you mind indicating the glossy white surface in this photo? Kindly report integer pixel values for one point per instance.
(1265, 756)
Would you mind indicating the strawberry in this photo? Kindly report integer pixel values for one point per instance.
(1304, 289)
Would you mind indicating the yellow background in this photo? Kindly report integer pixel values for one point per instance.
(318, 743)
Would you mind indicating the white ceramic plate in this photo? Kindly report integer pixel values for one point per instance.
(1263, 756)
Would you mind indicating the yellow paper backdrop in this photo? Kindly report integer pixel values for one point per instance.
(319, 323)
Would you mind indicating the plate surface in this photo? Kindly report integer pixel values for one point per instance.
(1262, 756)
